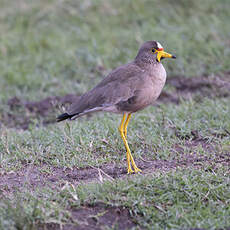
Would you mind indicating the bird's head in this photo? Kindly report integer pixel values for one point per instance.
(152, 51)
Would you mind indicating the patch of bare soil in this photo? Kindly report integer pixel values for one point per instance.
(200, 87)
(23, 113)
(31, 177)
(97, 217)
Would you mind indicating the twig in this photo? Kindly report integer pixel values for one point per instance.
(145, 160)
(100, 172)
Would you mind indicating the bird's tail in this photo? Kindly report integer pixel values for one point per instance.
(63, 117)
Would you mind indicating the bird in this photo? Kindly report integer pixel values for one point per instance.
(125, 90)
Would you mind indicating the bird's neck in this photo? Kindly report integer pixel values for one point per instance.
(145, 62)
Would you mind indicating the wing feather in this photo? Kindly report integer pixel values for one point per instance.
(120, 85)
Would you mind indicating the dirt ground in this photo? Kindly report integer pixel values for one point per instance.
(31, 177)
(97, 216)
(89, 217)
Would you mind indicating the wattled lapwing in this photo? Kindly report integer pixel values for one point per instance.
(126, 90)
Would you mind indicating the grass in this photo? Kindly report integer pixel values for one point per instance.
(179, 199)
(173, 200)
(50, 48)
(97, 141)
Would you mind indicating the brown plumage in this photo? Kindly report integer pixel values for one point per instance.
(127, 89)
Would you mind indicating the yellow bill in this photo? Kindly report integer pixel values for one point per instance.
(162, 54)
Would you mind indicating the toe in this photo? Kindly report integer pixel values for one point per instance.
(137, 170)
(130, 171)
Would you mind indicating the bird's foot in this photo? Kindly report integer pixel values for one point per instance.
(136, 170)
(130, 171)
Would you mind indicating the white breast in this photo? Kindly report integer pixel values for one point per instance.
(158, 80)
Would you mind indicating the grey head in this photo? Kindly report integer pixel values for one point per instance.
(152, 52)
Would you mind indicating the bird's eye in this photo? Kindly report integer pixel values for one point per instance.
(153, 50)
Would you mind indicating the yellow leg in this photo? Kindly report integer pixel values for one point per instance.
(123, 132)
(136, 169)
(126, 124)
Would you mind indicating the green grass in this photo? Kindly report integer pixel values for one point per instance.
(97, 141)
(175, 200)
(50, 48)
(179, 199)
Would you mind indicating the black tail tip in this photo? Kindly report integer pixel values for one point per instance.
(63, 117)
